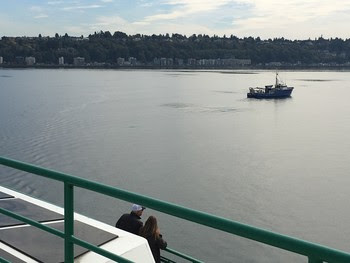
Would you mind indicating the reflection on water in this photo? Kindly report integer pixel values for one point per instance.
(194, 108)
(224, 91)
(192, 138)
(317, 80)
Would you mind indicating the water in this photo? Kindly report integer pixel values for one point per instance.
(191, 138)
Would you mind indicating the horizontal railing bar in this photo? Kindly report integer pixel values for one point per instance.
(315, 260)
(2, 260)
(99, 250)
(267, 237)
(181, 255)
(61, 234)
(166, 260)
(32, 222)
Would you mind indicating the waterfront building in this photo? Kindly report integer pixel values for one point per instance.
(242, 62)
(120, 61)
(191, 61)
(169, 61)
(235, 62)
(79, 61)
(163, 61)
(156, 61)
(61, 61)
(274, 64)
(132, 61)
(30, 61)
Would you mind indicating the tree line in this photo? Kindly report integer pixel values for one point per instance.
(105, 47)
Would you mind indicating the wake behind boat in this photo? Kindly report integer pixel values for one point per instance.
(279, 90)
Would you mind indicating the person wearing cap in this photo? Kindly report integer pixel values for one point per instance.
(131, 222)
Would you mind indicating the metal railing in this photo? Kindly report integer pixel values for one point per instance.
(314, 252)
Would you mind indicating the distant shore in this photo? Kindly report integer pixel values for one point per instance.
(251, 67)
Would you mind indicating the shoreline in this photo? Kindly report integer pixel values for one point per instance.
(116, 67)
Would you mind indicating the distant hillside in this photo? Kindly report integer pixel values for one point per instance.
(104, 47)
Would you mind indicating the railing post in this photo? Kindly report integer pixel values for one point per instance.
(68, 222)
(314, 260)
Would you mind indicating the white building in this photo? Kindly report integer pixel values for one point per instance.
(133, 61)
(191, 61)
(120, 61)
(163, 61)
(30, 61)
(156, 61)
(169, 61)
(274, 64)
(79, 61)
(1, 60)
(61, 61)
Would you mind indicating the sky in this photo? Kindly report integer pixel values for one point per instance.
(291, 19)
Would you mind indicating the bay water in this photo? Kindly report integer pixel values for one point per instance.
(190, 138)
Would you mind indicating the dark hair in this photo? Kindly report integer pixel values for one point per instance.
(150, 228)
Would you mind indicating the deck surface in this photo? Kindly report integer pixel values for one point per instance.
(10, 257)
(26, 209)
(36, 243)
(3, 195)
(45, 247)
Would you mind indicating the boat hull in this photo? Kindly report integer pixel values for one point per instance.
(276, 94)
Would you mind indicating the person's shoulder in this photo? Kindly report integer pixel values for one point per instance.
(134, 216)
(125, 215)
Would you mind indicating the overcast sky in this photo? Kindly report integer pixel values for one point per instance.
(291, 19)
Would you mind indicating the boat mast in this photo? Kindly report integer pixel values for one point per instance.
(276, 79)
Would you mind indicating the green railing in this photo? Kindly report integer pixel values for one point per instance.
(314, 252)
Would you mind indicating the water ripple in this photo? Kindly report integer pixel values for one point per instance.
(193, 108)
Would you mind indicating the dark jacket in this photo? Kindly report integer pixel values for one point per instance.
(130, 222)
(156, 244)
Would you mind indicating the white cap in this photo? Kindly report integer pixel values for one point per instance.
(136, 208)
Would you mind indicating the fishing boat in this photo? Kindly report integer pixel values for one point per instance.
(277, 91)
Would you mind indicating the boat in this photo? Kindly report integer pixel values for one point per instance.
(277, 91)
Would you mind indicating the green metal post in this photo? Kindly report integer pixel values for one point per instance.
(68, 223)
(191, 259)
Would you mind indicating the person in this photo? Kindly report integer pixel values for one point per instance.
(131, 222)
(150, 231)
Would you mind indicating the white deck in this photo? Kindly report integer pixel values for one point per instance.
(127, 245)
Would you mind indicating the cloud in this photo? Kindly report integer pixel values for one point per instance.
(111, 20)
(183, 8)
(36, 9)
(296, 9)
(68, 8)
(41, 16)
(146, 5)
(115, 23)
(103, 23)
(300, 18)
(55, 2)
(265, 18)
